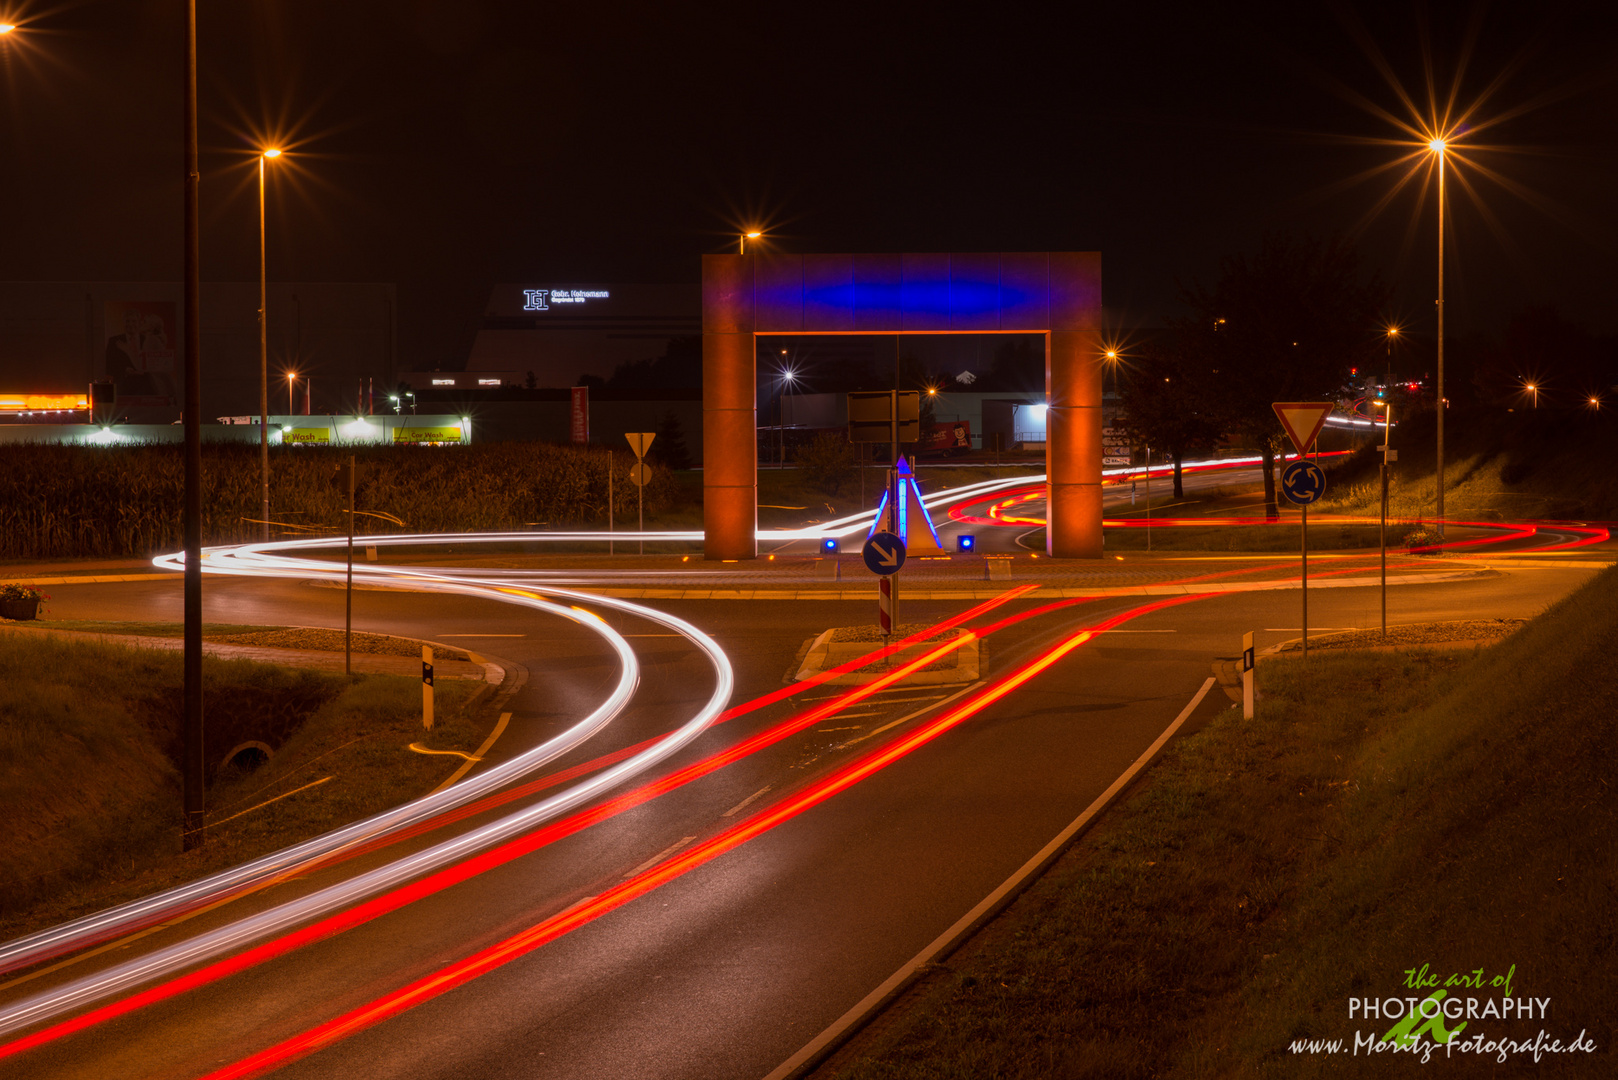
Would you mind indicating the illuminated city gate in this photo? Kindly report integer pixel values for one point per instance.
(1054, 293)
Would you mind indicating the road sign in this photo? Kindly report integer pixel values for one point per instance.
(870, 416)
(884, 553)
(641, 473)
(1303, 420)
(885, 604)
(640, 442)
(1303, 482)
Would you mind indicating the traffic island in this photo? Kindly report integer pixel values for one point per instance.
(839, 645)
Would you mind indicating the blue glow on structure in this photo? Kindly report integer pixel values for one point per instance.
(876, 522)
(965, 542)
(830, 545)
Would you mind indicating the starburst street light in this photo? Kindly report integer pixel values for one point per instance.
(751, 234)
(264, 351)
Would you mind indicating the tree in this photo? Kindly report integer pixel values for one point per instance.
(1169, 403)
(1284, 324)
(669, 446)
(828, 462)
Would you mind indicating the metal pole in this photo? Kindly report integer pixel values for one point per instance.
(1304, 580)
(263, 365)
(194, 796)
(609, 503)
(1441, 171)
(1382, 534)
(348, 620)
(640, 510)
(1148, 499)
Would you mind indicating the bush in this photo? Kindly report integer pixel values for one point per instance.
(828, 462)
(64, 501)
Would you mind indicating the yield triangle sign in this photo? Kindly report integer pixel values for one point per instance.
(1303, 420)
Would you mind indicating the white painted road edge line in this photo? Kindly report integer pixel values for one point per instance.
(822, 1045)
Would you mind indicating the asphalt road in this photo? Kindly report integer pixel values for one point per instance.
(727, 970)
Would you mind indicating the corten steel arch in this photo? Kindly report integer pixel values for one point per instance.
(1055, 293)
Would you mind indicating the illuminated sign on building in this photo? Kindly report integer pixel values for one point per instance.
(443, 382)
(489, 382)
(542, 299)
(43, 402)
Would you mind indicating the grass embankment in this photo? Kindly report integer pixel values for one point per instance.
(89, 783)
(1384, 811)
(1499, 466)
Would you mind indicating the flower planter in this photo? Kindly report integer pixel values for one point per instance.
(19, 609)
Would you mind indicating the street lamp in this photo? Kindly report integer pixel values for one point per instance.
(264, 352)
(292, 381)
(788, 377)
(1438, 145)
(745, 237)
(1532, 389)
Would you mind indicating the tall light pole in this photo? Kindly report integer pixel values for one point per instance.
(1382, 530)
(191, 758)
(292, 382)
(1438, 146)
(744, 238)
(264, 355)
(1533, 388)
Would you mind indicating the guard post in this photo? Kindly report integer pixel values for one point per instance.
(1247, 675)
(427, 687)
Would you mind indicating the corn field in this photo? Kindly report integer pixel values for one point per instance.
(61, 501)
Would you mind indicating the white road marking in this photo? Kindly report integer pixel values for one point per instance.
(481, 635)
(738, 807)
(660, 856)
(909, 716)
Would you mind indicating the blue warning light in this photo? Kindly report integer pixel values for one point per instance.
(965, 542)
(830, 546)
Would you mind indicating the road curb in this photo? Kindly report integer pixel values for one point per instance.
(93, 579)
(822, 1046)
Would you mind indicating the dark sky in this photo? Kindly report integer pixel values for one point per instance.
(448, 146)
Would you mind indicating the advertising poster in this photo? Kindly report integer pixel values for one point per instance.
(141, 350)
(579, 417)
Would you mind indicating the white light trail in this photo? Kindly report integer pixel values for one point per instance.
(269, 560)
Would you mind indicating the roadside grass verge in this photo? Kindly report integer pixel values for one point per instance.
(1384, 811)
(89, 784)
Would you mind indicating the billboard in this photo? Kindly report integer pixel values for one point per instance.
(1116, 446)
(579, 415)
(140, 352)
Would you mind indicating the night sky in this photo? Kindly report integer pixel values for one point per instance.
(448, 146)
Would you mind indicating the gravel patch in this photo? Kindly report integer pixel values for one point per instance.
(1415, 635)
(871, 633)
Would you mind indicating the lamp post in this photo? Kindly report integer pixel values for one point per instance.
(292, 382)
(1533, 389)
(1382, 529)
(744, 238)
(788, 377)
(1437, 146)
(264, 354)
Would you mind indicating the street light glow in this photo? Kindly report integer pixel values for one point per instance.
(6, 28)
(754, 235)
(1437, 146)
(272, 153)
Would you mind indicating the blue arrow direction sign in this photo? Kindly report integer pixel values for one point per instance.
(1303, 482)
(884, 553)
